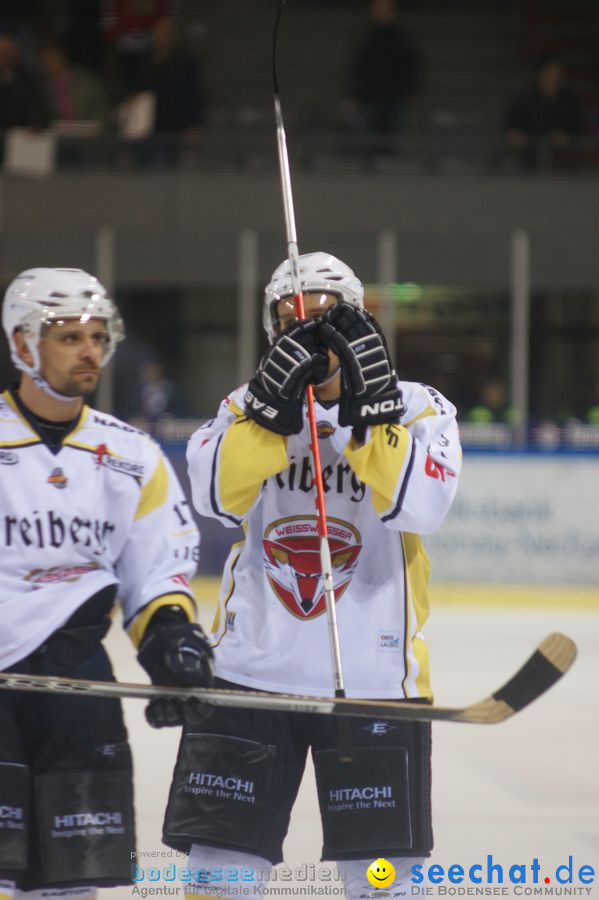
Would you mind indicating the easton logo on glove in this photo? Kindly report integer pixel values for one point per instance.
(275, 395)
(370, 394)
(258, 406)
(383, 408)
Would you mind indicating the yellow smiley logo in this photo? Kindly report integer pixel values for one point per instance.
(380, 873)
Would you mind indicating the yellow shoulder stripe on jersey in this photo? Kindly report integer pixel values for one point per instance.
(23, 442)
(154, 493)
(139, 624)
(418, 570)
(79, 445)
(254, 454)
(20, 442)
(379, 462)
(82, 420)
(429, 411)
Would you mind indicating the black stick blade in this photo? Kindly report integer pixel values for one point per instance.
(552, 659)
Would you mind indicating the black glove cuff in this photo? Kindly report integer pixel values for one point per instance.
(281, 417)
(384, 407)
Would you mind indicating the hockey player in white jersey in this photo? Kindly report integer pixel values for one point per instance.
(91, 512)
(390, 463)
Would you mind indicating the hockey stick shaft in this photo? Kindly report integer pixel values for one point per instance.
(552, 659)
(293, 256)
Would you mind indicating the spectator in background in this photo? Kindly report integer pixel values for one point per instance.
(81, 34)
(384, 73)
(173, 77)
(546, 116)
(127, 26)
(493, 404)
(21, 97)
(143, 392)
(73, 94)
(158, 397)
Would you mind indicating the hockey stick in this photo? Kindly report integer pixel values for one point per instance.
(293, 255)
(552, 659)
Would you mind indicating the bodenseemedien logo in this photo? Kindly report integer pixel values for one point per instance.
(381, 875)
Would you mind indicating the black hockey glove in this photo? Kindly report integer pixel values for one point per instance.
(275, 394)
(175, 653)
(369, 391)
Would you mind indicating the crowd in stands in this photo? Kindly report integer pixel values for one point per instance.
(115, 66)
(123, 68)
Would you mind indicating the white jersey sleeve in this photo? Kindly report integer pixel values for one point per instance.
(229, 459)
(160, 554)
(412, 468)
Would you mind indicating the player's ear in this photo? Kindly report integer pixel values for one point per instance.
(22, 348)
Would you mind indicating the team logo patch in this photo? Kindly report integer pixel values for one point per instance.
(58, 479)
(325, 429)
(39, 577)
(8, 458)
(104, 457)
(292, 561)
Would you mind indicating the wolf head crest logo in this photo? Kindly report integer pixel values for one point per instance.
(292, 560)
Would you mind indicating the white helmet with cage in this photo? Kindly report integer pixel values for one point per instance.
(318, 272)
(38, 297)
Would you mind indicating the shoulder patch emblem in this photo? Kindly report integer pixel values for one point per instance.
(104, 458)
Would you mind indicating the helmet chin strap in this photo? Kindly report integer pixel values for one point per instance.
(39, 380)
(328, 380)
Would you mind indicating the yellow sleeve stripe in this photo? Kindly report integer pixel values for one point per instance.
(380, 462)
(220, 614)
(154, 493)
(253, 454)
(423, 415)
(418, 572)
(137, 627)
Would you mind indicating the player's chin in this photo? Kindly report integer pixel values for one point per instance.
(83, 385)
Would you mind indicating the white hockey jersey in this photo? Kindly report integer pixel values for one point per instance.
(105, 509)
(271, 628)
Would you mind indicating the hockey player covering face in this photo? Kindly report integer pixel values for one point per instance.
(390, 462)
(88, 510)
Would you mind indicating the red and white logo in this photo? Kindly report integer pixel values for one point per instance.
(292, 561)
(39, 577)
(181, 579)
(435, 470)
(104, 457)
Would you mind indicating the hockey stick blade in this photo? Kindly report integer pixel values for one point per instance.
(552, 659)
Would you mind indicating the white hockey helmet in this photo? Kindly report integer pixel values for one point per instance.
(38, 297)
(318, 272)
